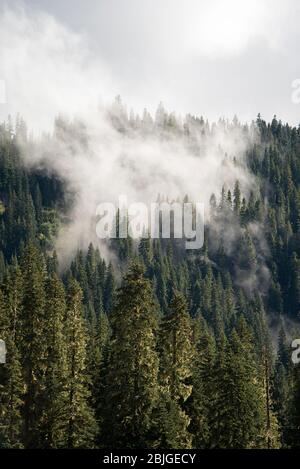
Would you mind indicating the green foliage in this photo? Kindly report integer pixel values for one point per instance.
(132, 382)
(81, 424)
(176, 356)
(180, 355)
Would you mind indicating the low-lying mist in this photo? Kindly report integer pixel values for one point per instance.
(108, 154)
(98, 147)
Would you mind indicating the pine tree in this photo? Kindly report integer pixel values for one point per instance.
(176, 349)
(282, 384)
(109, 290)
(176, 355)
(132, 387)
(293, 434)
(98, 337)
(270, 433)
(81, 425)
(145, 251)
(11, 382)
(237, 198)
(200, 402)
(239, 402)
(33, 344)
(53, 429)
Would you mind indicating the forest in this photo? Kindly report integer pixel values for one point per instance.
(154, 346)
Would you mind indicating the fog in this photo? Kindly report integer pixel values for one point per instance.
(101, 147)
(50, 70)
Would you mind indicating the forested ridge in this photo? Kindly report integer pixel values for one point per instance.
(161, 347)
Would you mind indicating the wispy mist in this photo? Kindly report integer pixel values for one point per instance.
(102, 150)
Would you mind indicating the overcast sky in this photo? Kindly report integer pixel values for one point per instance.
(209, 57)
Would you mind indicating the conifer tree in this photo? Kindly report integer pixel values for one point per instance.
(237, 198)
(98, 337)
(81, 426)
(200, 402)
(145, 251)
(239, 403)
(176, 349)
(293, 434)
(132, 387)
(11, 382)
(270, 431)
(109, 290)
(176, 355)
(53, 428)
(282, 383)
(33, 344)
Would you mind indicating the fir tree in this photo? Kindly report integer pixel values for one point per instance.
(81, 427)
(11, 382)
(132, 387)
(176, 355)
(33, 344)
(239, 403)
(53, 429)
(200, 402)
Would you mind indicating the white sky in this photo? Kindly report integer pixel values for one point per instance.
(208, 57)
